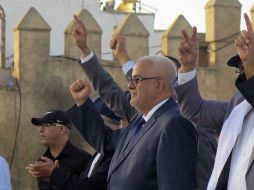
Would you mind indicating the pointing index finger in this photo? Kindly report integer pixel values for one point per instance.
(80, 23)
(76, 19)
(248, 23)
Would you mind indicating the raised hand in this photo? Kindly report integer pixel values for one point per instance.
(118, 45)
(188, 51)
(43, 168)
(80, 34)
(245, 48)
(80, 91)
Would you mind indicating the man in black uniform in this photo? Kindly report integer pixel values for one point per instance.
(54, 131)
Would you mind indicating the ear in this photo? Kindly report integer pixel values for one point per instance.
(160, 85)
(62, 129)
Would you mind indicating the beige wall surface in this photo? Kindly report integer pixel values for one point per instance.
(41, 81)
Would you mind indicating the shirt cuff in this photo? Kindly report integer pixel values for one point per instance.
(87, 58)
(127, 66)
(186, 77)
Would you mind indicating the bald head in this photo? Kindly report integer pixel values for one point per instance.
(151, 82)
(160, 66)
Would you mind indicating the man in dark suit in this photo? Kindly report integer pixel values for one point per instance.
(161, 153)
(207, 137)
(233, 168)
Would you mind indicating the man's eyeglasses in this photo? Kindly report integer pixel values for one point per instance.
(136, 79)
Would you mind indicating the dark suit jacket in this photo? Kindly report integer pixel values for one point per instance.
(211, 114)
(83, 121)
(207, 146)
(163, 157)
(98, 180)
(205, 113)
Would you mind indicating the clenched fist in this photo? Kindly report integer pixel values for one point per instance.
(80, 91)
(118, 45)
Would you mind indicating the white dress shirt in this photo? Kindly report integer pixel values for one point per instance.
(128, 66)
(186, 77)
(95, 160)
(87, 58)
(154, 109)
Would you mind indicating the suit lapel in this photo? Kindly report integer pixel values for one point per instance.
(141, 133)
(130, 133)
(128, 148)
(125, 149)
(124, 141)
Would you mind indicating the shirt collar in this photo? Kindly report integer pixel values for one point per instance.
(154, 109)
(66, 150)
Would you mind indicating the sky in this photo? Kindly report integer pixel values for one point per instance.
(193, 10)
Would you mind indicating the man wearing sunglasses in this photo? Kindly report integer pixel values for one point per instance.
(54, 131)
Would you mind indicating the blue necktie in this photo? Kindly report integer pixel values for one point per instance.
(138, 126)
(140, 122)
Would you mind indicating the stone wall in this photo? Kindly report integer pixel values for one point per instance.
(41, 81)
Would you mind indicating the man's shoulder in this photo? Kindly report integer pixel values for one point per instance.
(79, 158)
(168, 110)
(172, 118)
(179, 127)
(76, 150)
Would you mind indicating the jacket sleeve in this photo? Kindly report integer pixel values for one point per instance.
(205, 113)
(91, 126)
(111, 93)
(67, 181)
